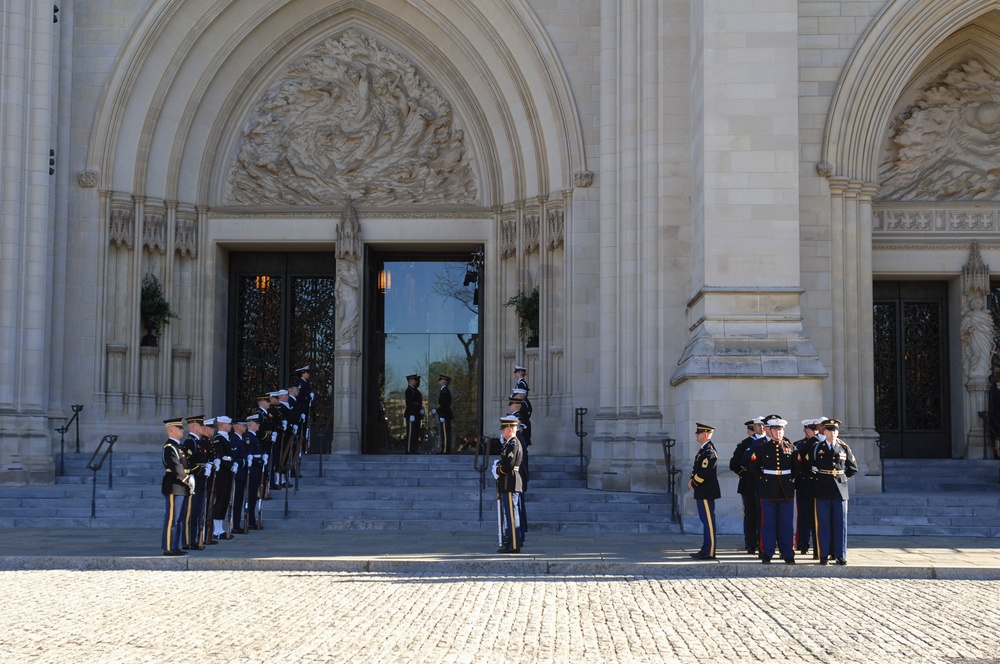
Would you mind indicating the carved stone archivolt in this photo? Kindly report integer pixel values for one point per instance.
(943, 146)
(352, 119)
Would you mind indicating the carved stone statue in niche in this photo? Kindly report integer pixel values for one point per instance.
(943, 147)
(352, 120)
(347, 291)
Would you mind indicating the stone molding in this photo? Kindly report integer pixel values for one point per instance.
(934, 218)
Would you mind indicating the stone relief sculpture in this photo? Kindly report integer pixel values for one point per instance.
(347, 292)
(977, 320)
(352, 120)
(349, 233)
(943, 147)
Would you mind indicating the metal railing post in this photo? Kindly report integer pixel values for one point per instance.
(62, 449)
(881, 460)
(480, 462)
(580, 412)
(95, 465)
(77, 407)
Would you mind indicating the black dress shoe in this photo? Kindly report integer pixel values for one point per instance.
(186, 547)
(704, 556)
(804, 551)
(765, 560)
(200, 547)
(841, 561)
(174, 553)
(790, 560)
(823, 562)
(752, 550)
(503, 549)
(696, 554)
(227, 537)
(210, 542)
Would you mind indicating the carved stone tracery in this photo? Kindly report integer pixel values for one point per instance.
(556, 222)
(352, 119)
(508, 237)
(531, 233)
(120, 227)
(154, 228)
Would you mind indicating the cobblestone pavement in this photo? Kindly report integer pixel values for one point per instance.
(270, 616)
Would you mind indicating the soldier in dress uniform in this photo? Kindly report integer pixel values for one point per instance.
(509, 486)
(306, 396)
(444, 413)
(289, 417)
(256, 460)
(830, 464)
(241, 476)
(517, 407)
(805, 513)
(225, 473)
(747, 484)
(176, 488)
(523, 413)
(705, 483)
(520, 372)
(413, 416)
(775, 464)
(266, 434)
(200, 466)
(211, 477)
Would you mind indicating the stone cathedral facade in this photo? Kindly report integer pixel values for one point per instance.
(728, 208)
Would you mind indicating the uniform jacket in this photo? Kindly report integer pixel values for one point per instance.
(238, 447)
(829, 469)
(509, 467)
(444, 404)
(775, 465)
(174, 470)
(704, 473)
(256, 450)
(223, 450)
(414, 403)
(804, 447)
(737, 464)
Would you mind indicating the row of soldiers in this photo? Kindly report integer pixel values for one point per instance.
(217, 476)
(777, 479)
(511, 469)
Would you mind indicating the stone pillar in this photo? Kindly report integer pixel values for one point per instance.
(347, 353)
(977, 352)
(27, 114)
(853, 371)
(747, 343)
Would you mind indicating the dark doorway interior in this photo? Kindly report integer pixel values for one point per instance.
(281, 317)
(912, 413)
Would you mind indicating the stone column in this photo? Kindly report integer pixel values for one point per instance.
(27, 114)
(347, 353)
(747, 343)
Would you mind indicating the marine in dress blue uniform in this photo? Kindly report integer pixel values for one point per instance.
(444, 412)
(224, 482)
(805, 529)
(775, 463)
(176, 488)
(509, 486)
(705, 483)
(747, 486)
(830, 464)
(413, 416)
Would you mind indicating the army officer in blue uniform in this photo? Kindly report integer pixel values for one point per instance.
(830, 464)
(705, 483)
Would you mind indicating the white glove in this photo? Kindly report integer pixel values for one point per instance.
(218, 463)
(493, 469)
(284, 425)
(441, 419)
(189, 480)
(412, 418)
(815, 470)
(274, 436)
(208, 469)
(312, 395)
(265, 459)
(421, 411)
(236, 466)
(295, 429)
(302, 417)
(434, 411)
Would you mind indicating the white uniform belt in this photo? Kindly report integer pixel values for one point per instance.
(768, 471)
(831, 472)
(517, 468)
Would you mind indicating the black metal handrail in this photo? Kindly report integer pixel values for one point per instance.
(673, 471)
(882, 446)
(580, 412)
(62, 436)
(95, 465)
(480, 463)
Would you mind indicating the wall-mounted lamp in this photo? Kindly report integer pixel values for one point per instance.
(262, 283)
(384, 281)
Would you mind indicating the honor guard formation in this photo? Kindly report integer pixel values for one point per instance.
(779, 480)
(217, 478)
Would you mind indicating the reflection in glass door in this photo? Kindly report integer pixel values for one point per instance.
(422, 319)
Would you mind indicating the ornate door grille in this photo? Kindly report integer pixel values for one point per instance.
(281, 319)
(911, 369)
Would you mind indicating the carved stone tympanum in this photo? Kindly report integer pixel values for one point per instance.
(943, 146)
(352, 120)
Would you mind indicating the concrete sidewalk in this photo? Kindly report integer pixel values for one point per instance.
(463, 553)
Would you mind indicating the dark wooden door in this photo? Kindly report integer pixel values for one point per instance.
(281, 317)
(912, 412)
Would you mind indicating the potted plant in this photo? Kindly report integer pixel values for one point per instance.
(154, 309)
(526, 307)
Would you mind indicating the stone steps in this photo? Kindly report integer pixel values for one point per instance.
(972, 514)
(941, 476)
(406, 493)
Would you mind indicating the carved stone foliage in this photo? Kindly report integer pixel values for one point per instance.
(352, 120)
(556, 221)
(186, 236)
(934, 219)
(531, 233)
(943, 146)
(87, 179)
(121, 223)
(508, 237)
(154, 229)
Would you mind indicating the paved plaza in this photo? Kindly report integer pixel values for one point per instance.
(94, 595)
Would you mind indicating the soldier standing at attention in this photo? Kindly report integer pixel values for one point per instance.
(830, 464)
(746, 487)
(776, 463)
(705, 483)
(200, 466)
(176, 488)
(225, 473)
(804, 513)
(521, 384)
(444, 413)
(256, 461)
(509, 486)
(241, 476)
(414, 413)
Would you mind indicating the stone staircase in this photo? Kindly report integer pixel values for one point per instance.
(926, 497)
(405, 493)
